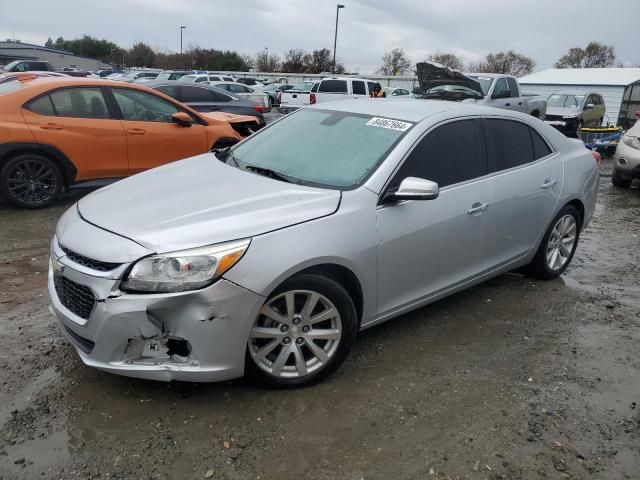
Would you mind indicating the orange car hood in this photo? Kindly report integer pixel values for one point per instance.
(228, 117)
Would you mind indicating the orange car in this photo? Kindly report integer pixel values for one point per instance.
(56, 133)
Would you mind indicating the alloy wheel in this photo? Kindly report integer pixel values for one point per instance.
(561, 242)
(296, 333)
(31, 182)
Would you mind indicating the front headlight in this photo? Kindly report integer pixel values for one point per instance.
(571, 115)
(184, 270)
(631, 141)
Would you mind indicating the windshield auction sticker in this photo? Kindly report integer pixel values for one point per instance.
(390, 124)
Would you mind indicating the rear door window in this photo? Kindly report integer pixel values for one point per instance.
(333, 86)
(171, 90)
(371, 86)
(358, 87)
(509, 144)
(447, 155)
(80, 103)
(195, 94)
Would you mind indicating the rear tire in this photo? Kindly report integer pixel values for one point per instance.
(304, 331)
(31, 181)
(557, 246)
(618, 181)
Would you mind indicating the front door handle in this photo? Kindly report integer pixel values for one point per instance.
(214, 108)
(477, 208)
(136, 131)
(548, 183)
(519, 103)
(507, 104)
(51, 126)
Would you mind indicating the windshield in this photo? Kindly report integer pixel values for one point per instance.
(322, 148)
(561, 100)
(9, 66)
(303, 86)
(485, 83)
(187, 78)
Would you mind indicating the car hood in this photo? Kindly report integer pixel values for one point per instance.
(201, 201)
(431, 75)
(229, 117)
(562, 111)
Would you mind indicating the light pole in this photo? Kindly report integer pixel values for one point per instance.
(335, 37)
(182, 27)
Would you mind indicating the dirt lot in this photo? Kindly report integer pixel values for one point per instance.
(513, 379)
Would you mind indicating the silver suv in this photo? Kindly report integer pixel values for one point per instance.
(265, 260)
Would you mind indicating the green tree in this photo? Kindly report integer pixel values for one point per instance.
(141, 55)
(49, 43)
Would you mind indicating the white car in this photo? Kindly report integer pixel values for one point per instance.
(205, 77)
(247, 92)
(397, 92)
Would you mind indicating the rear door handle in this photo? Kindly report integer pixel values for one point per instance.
(136, 131)
(548, 183)
(507, 104)
(211, 109)
(519, 103)
(51, 126)
(477, 208)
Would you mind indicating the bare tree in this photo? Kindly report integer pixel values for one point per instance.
(319, 61)
(450, 60)
(294, 61)
(510, 63)
(394, 62)
(266, 62)
(595, 55)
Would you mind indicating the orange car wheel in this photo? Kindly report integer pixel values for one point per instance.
(30, 181)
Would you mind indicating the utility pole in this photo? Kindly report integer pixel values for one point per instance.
(335, 37)
(182, 27)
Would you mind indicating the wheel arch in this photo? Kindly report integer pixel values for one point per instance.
(338, 273)
(577, 203)
(68, 170)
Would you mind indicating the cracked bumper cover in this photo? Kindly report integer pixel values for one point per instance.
(117, 336)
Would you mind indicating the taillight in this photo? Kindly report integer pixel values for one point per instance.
(259, 108)
(597, 156)
(312, 99)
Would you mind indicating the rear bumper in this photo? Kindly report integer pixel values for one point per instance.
(132, 334)
(567, 126)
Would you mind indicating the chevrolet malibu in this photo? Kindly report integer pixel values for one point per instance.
(266, 259)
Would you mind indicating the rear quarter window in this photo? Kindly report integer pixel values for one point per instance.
(42, 106)
(333, 86)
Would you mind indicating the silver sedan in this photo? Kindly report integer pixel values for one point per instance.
(267, 259)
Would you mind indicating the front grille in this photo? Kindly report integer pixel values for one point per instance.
(89, 262)
(553, 117)
(82, 343)
(77, 298)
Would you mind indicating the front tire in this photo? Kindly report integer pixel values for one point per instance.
(30, 181)
(304, 331)
(558, 245)
(618, 181)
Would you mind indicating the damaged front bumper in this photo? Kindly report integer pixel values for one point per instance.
(191, 336)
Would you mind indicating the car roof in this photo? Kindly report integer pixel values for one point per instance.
(410, 109)
(156, 83)
(572, 92)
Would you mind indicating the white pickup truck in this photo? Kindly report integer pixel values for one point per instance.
(491, 89)
(327, 90)
(297, 97)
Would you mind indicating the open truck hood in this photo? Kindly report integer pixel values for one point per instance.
(201, 201)
(440, 82)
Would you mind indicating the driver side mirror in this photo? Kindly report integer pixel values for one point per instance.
(501, 94)
(182, 119)
(413, 188)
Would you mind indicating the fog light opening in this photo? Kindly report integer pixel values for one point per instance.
(179, 347)
(622, 161)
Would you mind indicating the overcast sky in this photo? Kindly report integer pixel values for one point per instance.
(542, 29)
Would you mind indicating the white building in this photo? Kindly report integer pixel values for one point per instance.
(620, 88)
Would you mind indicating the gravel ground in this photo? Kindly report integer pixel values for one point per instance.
(512, 379)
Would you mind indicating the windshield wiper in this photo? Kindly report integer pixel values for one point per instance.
(267, 172)
(223, 154)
